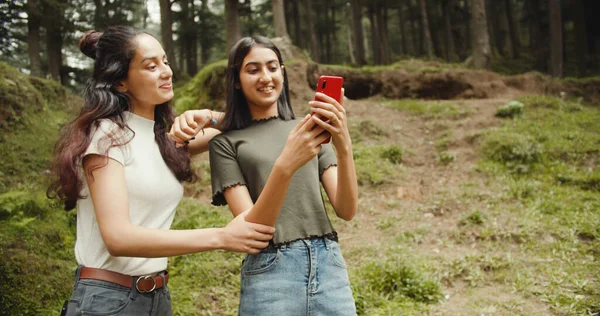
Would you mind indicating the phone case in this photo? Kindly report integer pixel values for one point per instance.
(331, 86)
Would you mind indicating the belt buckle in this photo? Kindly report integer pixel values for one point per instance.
(144, 277)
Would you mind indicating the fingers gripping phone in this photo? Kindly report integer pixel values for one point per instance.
(331, 86)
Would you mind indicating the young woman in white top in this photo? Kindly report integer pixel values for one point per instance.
(116, 164)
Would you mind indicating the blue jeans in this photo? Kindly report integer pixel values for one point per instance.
(101, 298)
(305, 277)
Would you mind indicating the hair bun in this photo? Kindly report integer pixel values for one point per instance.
(89, 42)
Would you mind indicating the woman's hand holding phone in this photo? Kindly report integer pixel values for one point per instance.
(331, 116)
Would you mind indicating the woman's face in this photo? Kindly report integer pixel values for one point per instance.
(148, 81)
(261, 77)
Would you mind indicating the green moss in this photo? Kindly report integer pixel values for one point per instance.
(205, 90)
(52, 92)
(16, 94)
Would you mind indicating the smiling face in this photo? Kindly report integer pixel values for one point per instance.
(148, 81)
(261, 79)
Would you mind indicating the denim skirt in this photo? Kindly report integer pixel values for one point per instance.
(101, 298)
(304, 277)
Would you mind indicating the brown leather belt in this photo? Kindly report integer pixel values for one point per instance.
(144, 284)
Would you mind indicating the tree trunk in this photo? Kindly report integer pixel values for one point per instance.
(53, 21)
(350, 37)
(279, 19)
(232, 25)
(33, 37)
(359, 48)
(99, 16)
(428, 44)
(384, 50)
(375, 40)
(401, 21)
(580, 38)
(482, 56)
(296, 18)
(204, 39)
(498, 31)
(314, 46)
(414, 31)
(446, 7)
(166, 31)
(556, 39)
(513, 29)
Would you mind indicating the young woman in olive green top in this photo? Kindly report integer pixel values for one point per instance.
(271, 165)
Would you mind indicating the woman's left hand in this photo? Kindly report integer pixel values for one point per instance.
(332, 117)
(187, 125)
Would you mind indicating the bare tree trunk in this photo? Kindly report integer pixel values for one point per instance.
(314, 46)
(498, 30)
(426, 33)
(375, 40)
(384, 50)
(358, 33)
(350, 37)
(446, 6)
(279, 19)
(166, 32)
(580, 38)
(414, 31)
(99, 17)
(204, 40)
(296, 18)
(556, 39)
(232, 25)
(53, 21)
(33, 37)
(332, 32)
(482, 52)
(401, 21)
(513, 29)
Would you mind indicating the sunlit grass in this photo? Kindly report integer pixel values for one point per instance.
(429, 109)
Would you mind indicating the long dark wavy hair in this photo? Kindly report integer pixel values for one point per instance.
(237, 113)
(112, 50)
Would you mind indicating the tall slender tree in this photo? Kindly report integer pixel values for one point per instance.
(314, 43)
(232, 25)
(53, 22)
(580, 37)
(279, 19)
(482, 52)
(401, 24)
(34, 18)
(446, 7)
(513, 29)
(556, 39)
(359, 48)
(427, 41)
(166, 32)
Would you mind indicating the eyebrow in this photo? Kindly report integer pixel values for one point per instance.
(257, 63)
(150, 58)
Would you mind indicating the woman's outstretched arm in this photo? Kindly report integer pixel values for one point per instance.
(106, 180)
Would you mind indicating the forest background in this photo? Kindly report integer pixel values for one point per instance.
(475, 124)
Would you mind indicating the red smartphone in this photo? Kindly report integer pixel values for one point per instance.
(331, 86)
